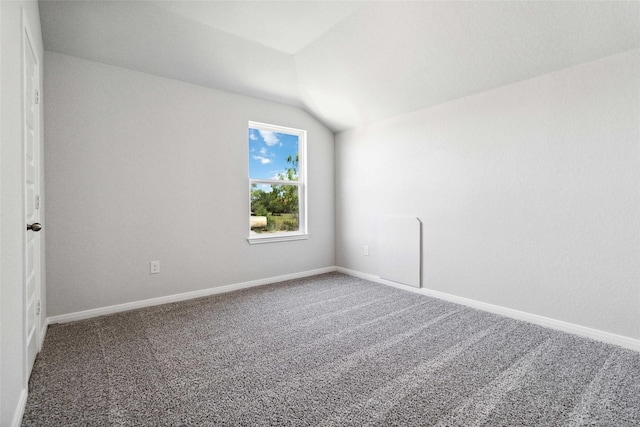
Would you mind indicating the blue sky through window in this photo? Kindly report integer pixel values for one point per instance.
(268, 152)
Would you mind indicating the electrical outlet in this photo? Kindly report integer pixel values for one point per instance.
(366, 251)
(155, 267)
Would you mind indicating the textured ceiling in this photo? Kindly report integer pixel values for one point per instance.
(347, 63)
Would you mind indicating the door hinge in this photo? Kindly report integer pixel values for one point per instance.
(37, 204)
(37, 101)
(38, 308)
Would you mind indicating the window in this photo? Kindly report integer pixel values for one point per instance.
(277, 183)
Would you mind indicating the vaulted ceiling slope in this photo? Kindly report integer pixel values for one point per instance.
(347, 63)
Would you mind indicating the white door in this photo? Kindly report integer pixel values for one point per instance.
(31, 143)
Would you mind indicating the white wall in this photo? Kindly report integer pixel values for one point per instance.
(528, 194)
(142, 168)
(13, 378)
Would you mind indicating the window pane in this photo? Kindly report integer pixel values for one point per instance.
(274, 208)
(273, 155)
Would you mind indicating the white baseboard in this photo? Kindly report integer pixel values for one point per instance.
(608, 337)
(20, 407)
(43, 333)
(86, 314)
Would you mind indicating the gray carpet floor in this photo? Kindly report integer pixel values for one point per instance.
(329, 350)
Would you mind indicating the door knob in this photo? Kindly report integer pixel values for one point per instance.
(34, 227)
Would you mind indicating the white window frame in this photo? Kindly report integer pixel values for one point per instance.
(284, 236)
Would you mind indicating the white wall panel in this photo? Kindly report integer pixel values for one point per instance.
(399, 246)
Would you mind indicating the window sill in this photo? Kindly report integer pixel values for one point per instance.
(274, 238)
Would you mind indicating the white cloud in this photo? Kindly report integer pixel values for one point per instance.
(265, 187)
(269, 137)
(263, 160)
(252, 136)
